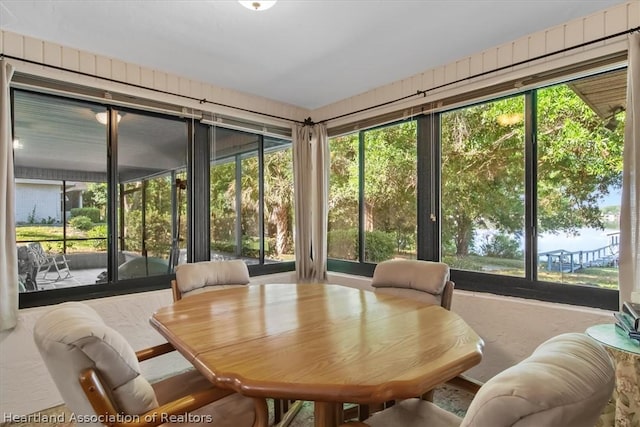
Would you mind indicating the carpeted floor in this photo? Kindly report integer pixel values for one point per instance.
(449, 398)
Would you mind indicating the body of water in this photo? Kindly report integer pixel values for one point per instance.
(586, 239)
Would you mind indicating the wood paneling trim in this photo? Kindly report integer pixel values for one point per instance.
(19, 46)
(573, 33)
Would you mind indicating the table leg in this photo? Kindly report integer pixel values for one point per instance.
(262, 412)
(326, 414)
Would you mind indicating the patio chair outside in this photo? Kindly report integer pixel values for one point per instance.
(46, 263)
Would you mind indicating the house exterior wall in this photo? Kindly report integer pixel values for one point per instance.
(38, 200)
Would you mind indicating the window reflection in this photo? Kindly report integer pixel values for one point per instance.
(151, 162)
(235, 197)
(60, 169)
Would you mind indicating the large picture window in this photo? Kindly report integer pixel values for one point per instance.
(380, 166)
(538, 188)
(152, 154)
(519, 195)
(278, 200)
(580, 131)
(103, 198)
(483, 187)
(343, 223)
(60, 154)
(238, 195)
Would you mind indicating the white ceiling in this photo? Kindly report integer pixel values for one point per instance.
(308, 53)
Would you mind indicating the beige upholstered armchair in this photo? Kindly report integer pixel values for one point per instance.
(192, 279)
(98, 376)
(416, 279)
(566, 382)
(425, 280)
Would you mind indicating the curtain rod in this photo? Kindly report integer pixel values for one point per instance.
(200, 100)
(308, 121)
(515, 64)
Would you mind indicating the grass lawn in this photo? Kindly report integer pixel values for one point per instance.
(42, 233)
(604, 277)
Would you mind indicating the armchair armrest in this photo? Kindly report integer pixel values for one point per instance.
(447, 295)
(151, 352)
(178, 407)
(99, 399)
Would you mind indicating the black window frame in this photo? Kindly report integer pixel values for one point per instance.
(197, 159)
(429, 228)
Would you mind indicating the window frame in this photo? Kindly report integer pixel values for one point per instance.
(197, 144)
(429, 230)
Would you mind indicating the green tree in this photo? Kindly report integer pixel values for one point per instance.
(579, 160)
(483, 184)
(222, 202)
(482, 171)
(390, 176)
(278, 198)
(96, 196)
(343, 182)
(389, 179)
(155, 235)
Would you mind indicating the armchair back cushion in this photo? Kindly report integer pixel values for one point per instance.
(565, 382)
(400, 277)
(71, 338)
(196, 276)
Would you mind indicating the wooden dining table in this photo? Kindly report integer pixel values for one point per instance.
(329, 344)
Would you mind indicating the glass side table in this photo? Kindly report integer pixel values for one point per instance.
(624, 408)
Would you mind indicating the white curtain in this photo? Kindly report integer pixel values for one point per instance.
(630, 207)
(320, 200)
(311, 182)
(8, 254)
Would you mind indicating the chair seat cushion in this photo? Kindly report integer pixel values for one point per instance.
(234, 410)
(414, 413)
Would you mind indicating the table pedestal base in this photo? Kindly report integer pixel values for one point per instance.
(327, 414)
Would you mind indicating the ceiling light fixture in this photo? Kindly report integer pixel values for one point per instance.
(258, 5)
(101, 117)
